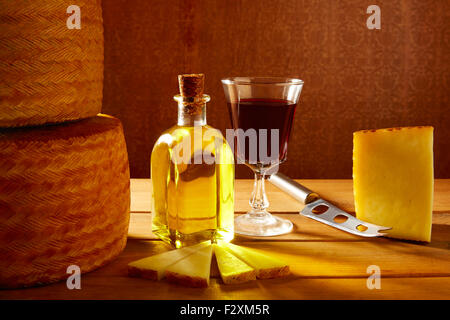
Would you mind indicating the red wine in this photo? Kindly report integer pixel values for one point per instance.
(262, 114)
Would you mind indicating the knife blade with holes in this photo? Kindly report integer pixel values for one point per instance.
(323, 211)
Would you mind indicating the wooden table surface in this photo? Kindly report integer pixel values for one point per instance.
(326, 263)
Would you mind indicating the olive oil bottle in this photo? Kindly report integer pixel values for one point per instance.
(192, 172)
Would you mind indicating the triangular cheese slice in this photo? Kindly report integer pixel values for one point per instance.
(266, 267)
(192, 271)
(153, 267)
(232, 269)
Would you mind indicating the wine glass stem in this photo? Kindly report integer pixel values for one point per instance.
(259, 201)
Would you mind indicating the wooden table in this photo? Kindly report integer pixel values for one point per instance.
(326, 263)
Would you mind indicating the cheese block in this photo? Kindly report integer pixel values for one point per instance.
(154, 267)
(64, 199)
(192, 271)
(393, 180)
(232, 269)
(266, 267)
(49, 73)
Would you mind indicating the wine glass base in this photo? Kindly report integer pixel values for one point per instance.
(261, 225)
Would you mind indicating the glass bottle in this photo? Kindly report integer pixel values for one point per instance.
(192, 172)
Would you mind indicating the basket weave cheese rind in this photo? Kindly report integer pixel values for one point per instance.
(64, 199)
(49, 73)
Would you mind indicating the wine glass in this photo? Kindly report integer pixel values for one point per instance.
(262, 111)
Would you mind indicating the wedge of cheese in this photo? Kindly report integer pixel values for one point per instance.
(232, 269)
(192, 271)
(393, 180)
(266, 267)
(154, 267)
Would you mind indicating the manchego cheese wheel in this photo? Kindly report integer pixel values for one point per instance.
(51, 70)
(64, 199)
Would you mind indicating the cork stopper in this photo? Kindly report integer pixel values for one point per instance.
(191, 85)
(191, 97)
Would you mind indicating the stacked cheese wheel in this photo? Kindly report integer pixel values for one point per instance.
(64, 184)
(64, 199)
(49, 73)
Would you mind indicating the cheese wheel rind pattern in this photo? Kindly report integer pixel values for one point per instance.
(64, 199)
(49, 73)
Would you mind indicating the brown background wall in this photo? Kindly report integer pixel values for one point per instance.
(355, 78)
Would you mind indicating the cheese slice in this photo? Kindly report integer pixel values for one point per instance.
(154, 267)
(192, 271)
(232, 269)
(393, 180)
(266, 267)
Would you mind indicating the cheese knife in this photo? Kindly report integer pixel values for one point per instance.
(323, 211)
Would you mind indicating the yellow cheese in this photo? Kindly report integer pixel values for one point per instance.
(64, 199)
(266, 267)
(154, 267)
(393, 180)
(192, 271)
(232, 270)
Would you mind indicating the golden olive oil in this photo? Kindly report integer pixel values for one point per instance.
(192, 172)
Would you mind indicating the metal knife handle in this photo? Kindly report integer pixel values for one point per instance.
(313, 201)
(293, 188)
